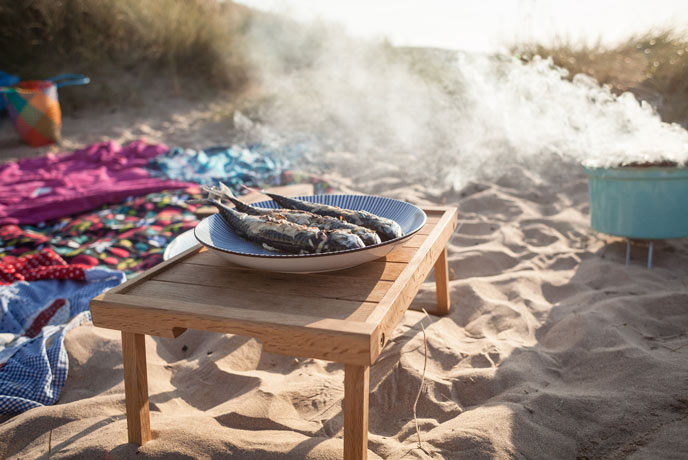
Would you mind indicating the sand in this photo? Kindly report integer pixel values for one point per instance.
(553, 349)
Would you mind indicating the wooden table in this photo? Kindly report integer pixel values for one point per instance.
(345, 316)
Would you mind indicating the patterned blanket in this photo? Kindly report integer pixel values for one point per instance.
(130, 236)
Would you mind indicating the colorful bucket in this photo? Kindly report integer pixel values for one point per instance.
(639, 203)
(35, 110)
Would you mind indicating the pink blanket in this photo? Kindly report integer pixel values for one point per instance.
(38, 189)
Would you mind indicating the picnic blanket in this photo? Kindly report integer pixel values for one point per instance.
(34, 317)
(252, 165)
(34, 190)
(129, 236)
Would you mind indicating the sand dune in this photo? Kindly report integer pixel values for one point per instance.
(553, 350)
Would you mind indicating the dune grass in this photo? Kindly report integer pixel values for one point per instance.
(123, 45)
(138, 50)
(653, 66)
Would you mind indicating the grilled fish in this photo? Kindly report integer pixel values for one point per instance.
(368, 236)
(283, 235)
(387, 229)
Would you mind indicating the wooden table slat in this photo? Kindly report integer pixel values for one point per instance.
(292, 304)
(415, 241)
(378, 269)
(284, 284)
(140, 278)
(429, 225)
(401, 254)
(382, 269)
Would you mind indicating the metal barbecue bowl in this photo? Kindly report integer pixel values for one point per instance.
(639, 202)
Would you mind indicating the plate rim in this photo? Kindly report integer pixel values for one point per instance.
(323, 254)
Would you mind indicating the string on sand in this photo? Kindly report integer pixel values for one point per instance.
(422, 382)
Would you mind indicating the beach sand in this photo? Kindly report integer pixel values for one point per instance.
(553, 348)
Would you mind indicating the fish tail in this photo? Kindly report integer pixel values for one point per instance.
(243, 207)
(225, 190)
(285, 202)
(214, 193)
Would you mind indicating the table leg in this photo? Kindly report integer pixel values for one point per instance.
(136, 387)
(356, 389)
(442, 283)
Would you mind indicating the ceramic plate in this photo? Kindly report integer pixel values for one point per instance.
(215, 234)
(181, 243)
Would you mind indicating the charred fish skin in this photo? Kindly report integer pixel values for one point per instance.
(285, 236)
(343, 239)
(387, 229)
(266, 232)
(368, 236)
(248, 209)
(291, 203)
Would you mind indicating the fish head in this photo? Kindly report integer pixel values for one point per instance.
(370, 238)
(389, 230)
(340, 240)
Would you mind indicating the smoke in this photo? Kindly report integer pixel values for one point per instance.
(440, 116)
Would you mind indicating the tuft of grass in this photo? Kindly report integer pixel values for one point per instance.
(184, 45)
(654, 66)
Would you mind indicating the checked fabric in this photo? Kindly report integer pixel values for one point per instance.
(35, 317)
(36, 373)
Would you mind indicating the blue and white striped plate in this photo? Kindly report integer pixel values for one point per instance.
(215, 234)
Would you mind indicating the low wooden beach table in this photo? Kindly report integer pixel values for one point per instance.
(344, 316)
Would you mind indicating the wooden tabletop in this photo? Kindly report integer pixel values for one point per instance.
(343, 316)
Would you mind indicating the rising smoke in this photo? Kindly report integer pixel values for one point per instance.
(434, 115)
